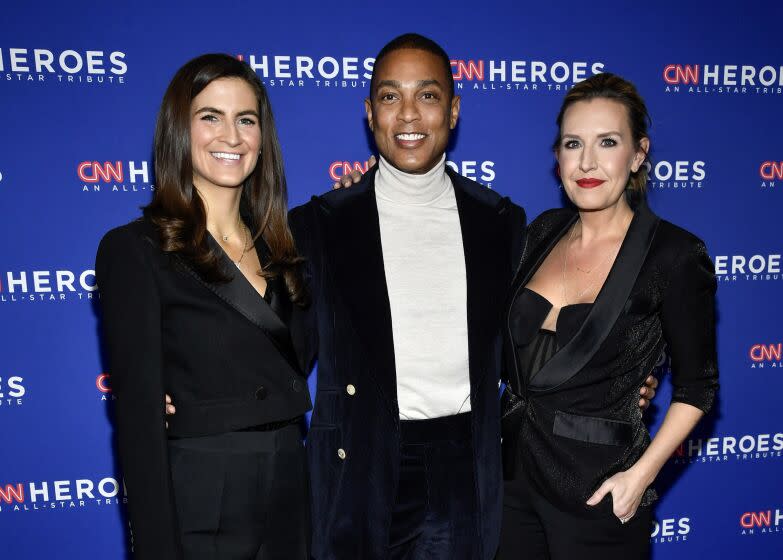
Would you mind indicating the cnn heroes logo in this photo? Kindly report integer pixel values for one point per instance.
(733, 268)
(770, 172)
(671, 530)
(12, 391)
(295, 71)
(764, 522)
(481, 171)
(723, 79)
(115, 176)
(47, 286)
(676, 175)
(521, 75)
(67, 66)
(766, 356)
(61, 495)
(749, 447)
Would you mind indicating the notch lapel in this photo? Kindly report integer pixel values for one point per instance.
(354, 258)
(486, 272)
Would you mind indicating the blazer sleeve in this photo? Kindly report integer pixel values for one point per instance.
(688, 317)
(131, 305)
(304, 326)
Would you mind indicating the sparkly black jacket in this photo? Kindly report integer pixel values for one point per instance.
(577, 420)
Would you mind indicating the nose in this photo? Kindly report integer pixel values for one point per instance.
(587, 159)
(231, 134)
(409, 111)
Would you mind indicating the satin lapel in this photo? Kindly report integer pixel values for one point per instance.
(355, 260)
(240, 294)
(609, 303)
(480, 225)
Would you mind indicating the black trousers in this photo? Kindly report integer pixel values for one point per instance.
(242, 495)
(534, 529)
(434, 515)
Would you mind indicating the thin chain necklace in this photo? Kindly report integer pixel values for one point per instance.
(591, 285)
(245, 248)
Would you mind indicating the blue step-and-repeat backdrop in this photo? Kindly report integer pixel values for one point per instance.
(80, 85)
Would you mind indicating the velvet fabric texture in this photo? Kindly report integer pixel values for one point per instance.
(435, 515)
(354, 439)
(577, 421)
(220, 351)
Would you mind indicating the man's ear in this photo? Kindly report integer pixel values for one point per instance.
(368, 110)
(455, 106)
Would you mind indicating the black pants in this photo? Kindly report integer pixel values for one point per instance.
(533, 529)
(434, 514)
(242, 495)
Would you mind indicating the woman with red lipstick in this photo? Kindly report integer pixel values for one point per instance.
(602, 289)
(197, 299)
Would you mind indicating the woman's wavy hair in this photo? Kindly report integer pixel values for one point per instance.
(176, 208)
(611, 86)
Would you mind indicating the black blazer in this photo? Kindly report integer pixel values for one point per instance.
(221, 351)
(578, 421)
(354, 489)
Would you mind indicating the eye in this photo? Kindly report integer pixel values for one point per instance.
(571, 144)
(247, 121)
(608, 142)
(429, 96)
(209, 118)
(387, 97)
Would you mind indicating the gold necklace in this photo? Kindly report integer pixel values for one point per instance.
(244, 248)
(565, 265)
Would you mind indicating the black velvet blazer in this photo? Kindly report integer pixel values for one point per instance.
(220, 350)
(353, 442)
(577, 421)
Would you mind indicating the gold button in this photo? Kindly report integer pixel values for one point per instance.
(351, 390)
(341, 453)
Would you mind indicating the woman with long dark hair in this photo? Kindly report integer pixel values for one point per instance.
(198, 296)
(604, 286)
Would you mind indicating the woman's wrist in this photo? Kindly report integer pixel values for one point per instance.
(646, 472)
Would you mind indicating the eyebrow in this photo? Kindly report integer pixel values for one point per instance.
(419, 84)
(220, 112)
(602, 135)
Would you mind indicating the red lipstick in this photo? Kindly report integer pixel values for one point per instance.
(590, 183)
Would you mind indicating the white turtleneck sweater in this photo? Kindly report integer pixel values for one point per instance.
(425, 275)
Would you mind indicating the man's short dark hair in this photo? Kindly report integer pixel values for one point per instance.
(418, 42)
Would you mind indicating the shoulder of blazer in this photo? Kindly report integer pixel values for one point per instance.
(547, 223)
(139, 234)
(679, 238)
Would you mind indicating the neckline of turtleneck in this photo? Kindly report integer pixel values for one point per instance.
(412, 189)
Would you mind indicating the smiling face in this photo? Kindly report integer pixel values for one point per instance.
(411, 111)
(597, 153)
(225, 135)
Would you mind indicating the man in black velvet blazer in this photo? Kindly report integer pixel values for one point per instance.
(354, 439)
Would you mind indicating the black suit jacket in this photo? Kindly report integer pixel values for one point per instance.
(578, 421)
(339, 234)
(221, 351)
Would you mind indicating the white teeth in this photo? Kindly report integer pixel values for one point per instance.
(410, 137)
(225, 155)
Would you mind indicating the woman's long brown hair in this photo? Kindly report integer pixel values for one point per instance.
(176, 208)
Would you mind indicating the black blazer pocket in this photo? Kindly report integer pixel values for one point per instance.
(592, 429)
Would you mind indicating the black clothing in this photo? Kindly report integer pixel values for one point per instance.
(578, 421)
(220, 350)
(240, 495)
(535, 529)
(435, 515)
(354, 439)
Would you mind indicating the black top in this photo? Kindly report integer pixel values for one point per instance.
(223, 353)
(579, 421)
(535, 345)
